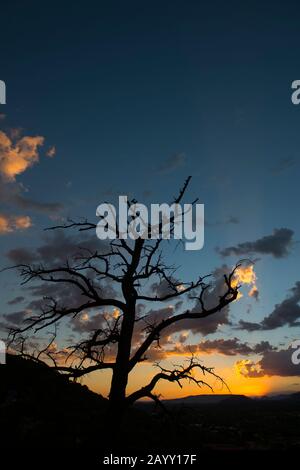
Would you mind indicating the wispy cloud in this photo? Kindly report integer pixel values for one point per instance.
(230, 220)
(37, 206)
(51, 152)
(283, 164)
(175, 161)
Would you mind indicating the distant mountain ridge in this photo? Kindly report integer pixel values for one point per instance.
(229, 399)
(206, 399)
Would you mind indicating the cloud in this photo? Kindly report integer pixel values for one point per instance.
(9, 223)
(248, 368)
(232, 347)
(248, 326)
(283, 164)
(16, 300)
(183, 328)
(244, 275)
(66, 298)
(170, 346)
(172, 163)
(18, 155)
(162, 288)
(15, 318)
(211, 323)
(37, 206)
(51, 152)
(254, 292)
(56, 249)
(147, 320)
(11, 194)
(226, 347)
(40, 294)
(286, 312)
(273, 362)
(62, 356)
(153, 317)
(84, 322)
(230, 220)
(278, 245)
(21, 255)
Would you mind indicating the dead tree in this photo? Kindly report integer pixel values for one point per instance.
(126, 264)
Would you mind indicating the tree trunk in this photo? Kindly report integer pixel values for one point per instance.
(117, 395)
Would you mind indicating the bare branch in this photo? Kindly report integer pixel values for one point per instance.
(176, 375)
(229, 296)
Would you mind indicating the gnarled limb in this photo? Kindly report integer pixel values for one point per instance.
(177, 375)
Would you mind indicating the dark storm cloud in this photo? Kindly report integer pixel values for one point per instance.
(272, 363)
(278, 245)
(285, 313)
(172, 163)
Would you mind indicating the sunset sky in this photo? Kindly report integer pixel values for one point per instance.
(111, 98)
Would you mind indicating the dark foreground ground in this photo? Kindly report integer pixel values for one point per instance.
(40, 409)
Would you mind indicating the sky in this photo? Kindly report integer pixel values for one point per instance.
(111, 98)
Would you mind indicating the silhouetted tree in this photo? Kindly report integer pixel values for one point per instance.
(127, 265)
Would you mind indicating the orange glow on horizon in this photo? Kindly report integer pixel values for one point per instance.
(238, 384)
